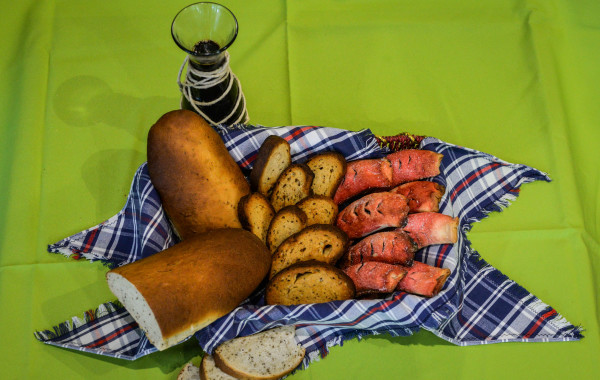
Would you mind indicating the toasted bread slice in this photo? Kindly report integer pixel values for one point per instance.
(209, 371)
(255, 213)
(293, 185)
(270, 354)
(189, 372)
(288, 221)
(309, 282)
(272, 159)
(319, 209)
(321, 242)
(329, 169)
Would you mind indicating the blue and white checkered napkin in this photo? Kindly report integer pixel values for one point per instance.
(477, 305)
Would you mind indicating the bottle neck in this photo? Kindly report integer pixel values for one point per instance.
(207, 63)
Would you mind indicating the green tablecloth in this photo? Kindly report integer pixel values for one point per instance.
(82, 82)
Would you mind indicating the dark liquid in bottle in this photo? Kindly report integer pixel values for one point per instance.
(219, 110)
(206, 47)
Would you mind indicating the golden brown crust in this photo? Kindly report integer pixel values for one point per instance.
(309, 282)
(198, 181)
(200, 279)
(268, 166)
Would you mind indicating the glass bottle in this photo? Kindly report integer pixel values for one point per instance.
(204, 31)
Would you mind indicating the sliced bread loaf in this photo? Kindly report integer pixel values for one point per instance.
(329, 169)
(288, 221)
(270, 354)
(189, 372)
(272, 159)
(309, 282)
(209, 371)
(255, 213)
(293, 185)
(176, 292)
(319, 209)
(322, 242)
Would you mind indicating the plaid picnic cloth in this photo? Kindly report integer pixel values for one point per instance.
(477, 305)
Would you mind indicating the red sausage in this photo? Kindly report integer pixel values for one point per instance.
(423, 196)
(392, 247)
(424, 280)
(371, 213)
(428, 228)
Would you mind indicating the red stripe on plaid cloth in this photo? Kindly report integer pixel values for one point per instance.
(538, 323)
(297, 132)
(112, 336)
(250, 159)
(89, 241)
(472, 177)
(442, 255)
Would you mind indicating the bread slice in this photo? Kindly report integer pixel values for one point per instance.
(270, 354)
(293, 185)
(189, 372)
(329, 169)
(272, 159)
(319, 209)
(255, 213)
(176, 292)
(288, 221)
(322, 242)
(309, 282)
(209, 371)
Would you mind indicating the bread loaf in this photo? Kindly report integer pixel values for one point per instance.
(178, 291)
(198, 182)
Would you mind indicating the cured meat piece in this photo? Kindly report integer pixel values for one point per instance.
(428, 228)
(414, 164)
(375, 277)
(392, 247)
(362, 175)
(423, 280)
(384, 173)
(422, 196)
(371, 213)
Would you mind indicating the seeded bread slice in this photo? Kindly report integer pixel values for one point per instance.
(329, 169)
(319, 209)
(270, 354)
(272, 159)
(288, 221)
(255, 213)
(209, 371)
(322, 242)
(293, 185)
(189, 372)
(309, 282)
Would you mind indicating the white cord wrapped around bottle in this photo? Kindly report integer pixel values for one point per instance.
(208, 79)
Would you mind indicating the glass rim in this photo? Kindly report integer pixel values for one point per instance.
(216, 52)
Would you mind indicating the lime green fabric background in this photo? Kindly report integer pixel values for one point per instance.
(81, 83)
